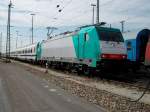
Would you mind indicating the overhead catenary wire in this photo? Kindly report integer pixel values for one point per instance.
(65, 5)
(78, 16)
(55, 17)
(71, 19)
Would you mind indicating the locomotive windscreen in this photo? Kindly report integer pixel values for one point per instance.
(110, 36)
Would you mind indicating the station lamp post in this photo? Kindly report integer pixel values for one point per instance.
(93, 17)
(32, 29)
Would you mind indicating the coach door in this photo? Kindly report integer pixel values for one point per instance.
(131, 50)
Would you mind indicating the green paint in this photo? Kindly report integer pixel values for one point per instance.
(87, 48)
(39, 51)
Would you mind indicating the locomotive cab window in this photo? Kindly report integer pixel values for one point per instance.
(114, 36)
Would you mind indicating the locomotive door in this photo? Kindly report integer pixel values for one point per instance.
(82, 45)
(86, 37)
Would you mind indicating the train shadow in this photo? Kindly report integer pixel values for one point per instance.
(127, 77)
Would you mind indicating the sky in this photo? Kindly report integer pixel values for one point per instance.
(74, 13)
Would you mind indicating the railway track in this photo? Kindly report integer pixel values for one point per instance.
(94, 89)
(137, 81)
(128, 80)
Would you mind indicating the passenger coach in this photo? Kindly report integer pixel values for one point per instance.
(26, 53)
(138, 49)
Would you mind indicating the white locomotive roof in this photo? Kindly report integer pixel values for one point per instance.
(63, 35)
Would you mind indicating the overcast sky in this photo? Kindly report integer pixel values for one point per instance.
(74, 13)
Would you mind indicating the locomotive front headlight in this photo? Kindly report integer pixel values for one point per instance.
(103, 56)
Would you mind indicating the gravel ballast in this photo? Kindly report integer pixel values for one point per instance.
(110, 101)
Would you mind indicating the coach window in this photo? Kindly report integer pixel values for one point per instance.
(129, 46)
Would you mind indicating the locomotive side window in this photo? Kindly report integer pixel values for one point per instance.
(86, 37)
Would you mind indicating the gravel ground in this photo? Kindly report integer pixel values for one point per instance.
(24, 91)
(80, 87)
